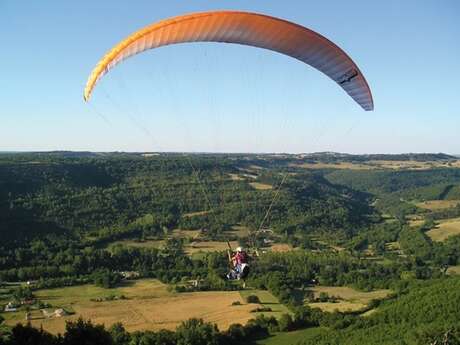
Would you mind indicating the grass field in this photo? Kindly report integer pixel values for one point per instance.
(266, 300)
(454, 270)
(349, 299)
(208, 246)
(194, 247)
(193, 214)
(149, 306)
(153, 243)
(393, 246)
(260, 186)
(434, 205)
(445, 229)
(138, 244)
(369, 312)
(236, 177)
(181, 233)
(413, 223)
(240, 231)
(292, 338)
(281, 247)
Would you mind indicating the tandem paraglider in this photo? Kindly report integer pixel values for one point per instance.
(239, 266)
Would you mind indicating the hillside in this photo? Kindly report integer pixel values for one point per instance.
(426, 313)
(47, 193)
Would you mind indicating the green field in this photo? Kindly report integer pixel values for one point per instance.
(292, 338)
(267, 300)
(348, 299)
(137, 244)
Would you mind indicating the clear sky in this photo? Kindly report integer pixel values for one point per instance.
(228, 98)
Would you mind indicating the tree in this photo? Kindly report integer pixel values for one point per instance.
(285, 323)
(197, 332)
(253, 299)
(119, 334)
(23, 293)
(236, 333)
(106, 278)
(83, 332)
(304, 317)
(323, 296)
(21, 334)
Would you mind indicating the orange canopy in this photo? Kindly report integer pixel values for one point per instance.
(245, 28)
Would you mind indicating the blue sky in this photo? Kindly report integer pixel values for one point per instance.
(228, 98)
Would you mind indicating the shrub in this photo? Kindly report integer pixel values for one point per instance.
(323, 297)
(285, 323)
(261, 310)
(252, 299)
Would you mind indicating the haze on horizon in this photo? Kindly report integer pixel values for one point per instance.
(228, 98)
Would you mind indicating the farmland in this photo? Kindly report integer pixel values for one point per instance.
(266, 300)
(146, 305)
(381, 164)
(445, 229)
(208, 246)
(437, 204)
(348, 299)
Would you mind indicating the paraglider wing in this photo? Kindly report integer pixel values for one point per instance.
(244, 28)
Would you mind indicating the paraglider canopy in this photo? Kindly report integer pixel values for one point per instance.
(244, 28)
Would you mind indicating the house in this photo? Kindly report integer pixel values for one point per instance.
(60, 312)
(10, 307)
(130, 274)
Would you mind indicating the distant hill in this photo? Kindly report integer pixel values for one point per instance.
(322, 156)
(64, 192)
(421, 157)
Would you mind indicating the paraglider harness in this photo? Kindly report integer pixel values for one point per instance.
(239, 268)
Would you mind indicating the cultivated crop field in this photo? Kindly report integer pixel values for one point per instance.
(148, 306)
(434, 205)
(445, 229)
